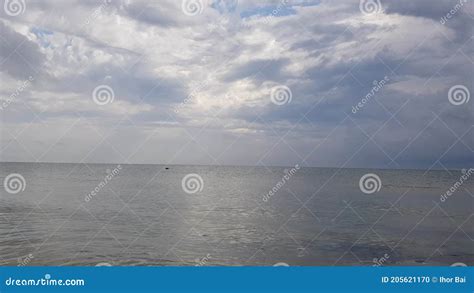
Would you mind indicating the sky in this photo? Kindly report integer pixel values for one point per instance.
(369, 84)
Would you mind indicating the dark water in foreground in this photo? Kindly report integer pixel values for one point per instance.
(142, 216)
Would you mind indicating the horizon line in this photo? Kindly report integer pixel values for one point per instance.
(225, 165)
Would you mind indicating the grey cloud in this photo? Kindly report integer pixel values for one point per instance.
(259, 70)
(424, 8)
(461, 21)
(19, 56)
(150, 14)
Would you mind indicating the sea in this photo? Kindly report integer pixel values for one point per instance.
(156, 215)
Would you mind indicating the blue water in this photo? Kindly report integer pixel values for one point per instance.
(319, 216)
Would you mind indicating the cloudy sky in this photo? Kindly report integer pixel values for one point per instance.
(316, 83)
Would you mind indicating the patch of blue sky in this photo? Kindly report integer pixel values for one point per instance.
(42, 35)
(278, 9)
(225, 6)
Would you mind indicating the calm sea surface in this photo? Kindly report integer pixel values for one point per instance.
(71, 214)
